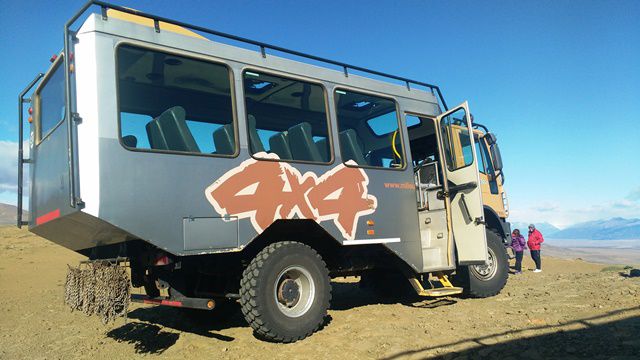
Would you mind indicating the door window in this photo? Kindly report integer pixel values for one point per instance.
(51, 104)
(456, 140)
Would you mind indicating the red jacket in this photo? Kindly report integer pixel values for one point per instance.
(535, 239)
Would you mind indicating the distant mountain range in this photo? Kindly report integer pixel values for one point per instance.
(612, 229)
(545, 228)
(8, 214)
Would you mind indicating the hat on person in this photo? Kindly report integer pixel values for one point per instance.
(531, 226)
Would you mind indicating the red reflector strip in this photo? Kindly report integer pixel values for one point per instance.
(48, 217)
(163, 302)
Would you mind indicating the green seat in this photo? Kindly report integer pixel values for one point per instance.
(169, 131)
(130, 141)
(255, 144)
(224, 140)
(349, 147)
(301, 143)
(323, 148)
(279, 144)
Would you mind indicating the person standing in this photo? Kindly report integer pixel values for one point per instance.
(518, 245)
(534, 241)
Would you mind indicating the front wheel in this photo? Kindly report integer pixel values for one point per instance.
(486, 280)
(285, 292)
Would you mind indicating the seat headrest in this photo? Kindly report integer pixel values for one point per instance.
(301, 143)
(170, 131)
(224, 140)
(323, 148)
(130, 141)
(255, 144)
(350, 149)
(279, 144)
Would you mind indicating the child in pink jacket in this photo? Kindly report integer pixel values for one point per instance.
(518, 245)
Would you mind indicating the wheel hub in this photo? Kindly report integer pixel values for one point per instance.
(294, 291)
(488, 270)
(288, 293)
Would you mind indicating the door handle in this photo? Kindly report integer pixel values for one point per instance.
(453, 189)
(466, 208)
(466, 186)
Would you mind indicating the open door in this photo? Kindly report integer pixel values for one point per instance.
(462, 192)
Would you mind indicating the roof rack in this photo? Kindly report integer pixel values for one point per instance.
(104, 6)
(262, 46)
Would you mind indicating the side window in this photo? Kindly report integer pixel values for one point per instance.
(174, 103)
(286, 118)
(481, 163)
(456, 140)
(369, 130)
(465, 146)
(51, 104)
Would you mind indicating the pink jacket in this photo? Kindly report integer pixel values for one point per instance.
(535, 239)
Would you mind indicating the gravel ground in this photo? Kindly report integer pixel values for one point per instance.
(573, 309)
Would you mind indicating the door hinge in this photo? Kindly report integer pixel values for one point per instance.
(79, 203)
(480, 221)
(76, 118)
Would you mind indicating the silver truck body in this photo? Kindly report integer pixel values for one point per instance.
(124, 194)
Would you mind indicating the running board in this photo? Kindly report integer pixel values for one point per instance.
(446, 289)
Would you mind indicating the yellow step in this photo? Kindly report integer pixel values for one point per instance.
(446, 290)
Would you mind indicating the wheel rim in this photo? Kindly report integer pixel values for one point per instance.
(488, 270)
(294, 291)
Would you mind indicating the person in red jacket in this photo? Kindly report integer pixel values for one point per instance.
(534, 241)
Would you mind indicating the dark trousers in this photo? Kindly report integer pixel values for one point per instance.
(519, 260)
(535, 255)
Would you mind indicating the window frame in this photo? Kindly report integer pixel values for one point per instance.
(189, 55)
(400, 127)
(39, 137)
(295, 77)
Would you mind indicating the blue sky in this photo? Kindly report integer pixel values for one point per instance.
(557, 81)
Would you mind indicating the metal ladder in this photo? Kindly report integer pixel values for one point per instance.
(21, 160)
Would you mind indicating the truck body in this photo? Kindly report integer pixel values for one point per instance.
(222, 172)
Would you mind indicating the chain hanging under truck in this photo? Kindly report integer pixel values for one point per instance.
(99, 288)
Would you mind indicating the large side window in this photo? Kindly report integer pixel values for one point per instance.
(51, 104)
(286, 118)
(174, 103)
(369, 130)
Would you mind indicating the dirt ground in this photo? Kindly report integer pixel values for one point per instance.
(573, 309)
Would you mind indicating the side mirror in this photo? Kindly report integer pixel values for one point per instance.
(496, 157)
(491, 138)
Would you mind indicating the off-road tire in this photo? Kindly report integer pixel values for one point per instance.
(482, 288)
(257, 289)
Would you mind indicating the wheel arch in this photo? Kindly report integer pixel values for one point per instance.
(305, 231)
(495, 223)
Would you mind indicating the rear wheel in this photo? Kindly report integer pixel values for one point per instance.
(285, 292)
(488, 279)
